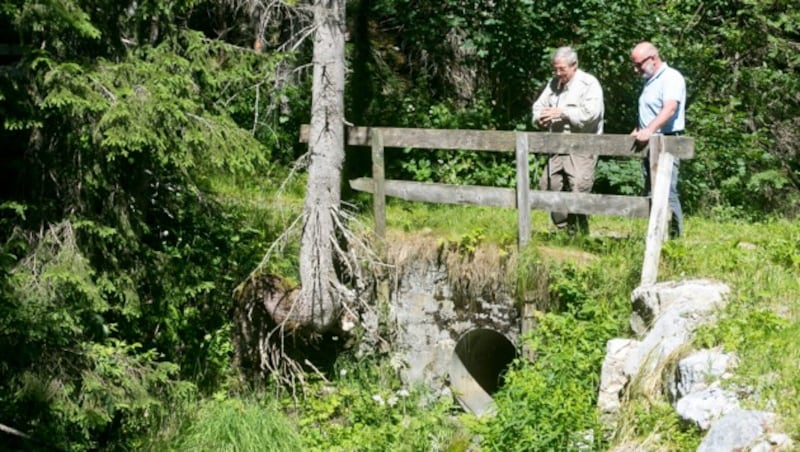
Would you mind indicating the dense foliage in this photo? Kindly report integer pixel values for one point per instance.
(491, 58)
(122, 121)
(118, 264)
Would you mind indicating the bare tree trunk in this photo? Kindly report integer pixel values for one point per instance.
(319, 305)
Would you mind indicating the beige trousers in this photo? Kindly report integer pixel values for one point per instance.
(566, 172)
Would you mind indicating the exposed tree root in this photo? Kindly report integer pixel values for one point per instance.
(274, 336)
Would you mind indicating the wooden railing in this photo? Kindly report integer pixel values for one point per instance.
(662, 149)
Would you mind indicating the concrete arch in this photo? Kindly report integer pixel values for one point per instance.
(478, 365)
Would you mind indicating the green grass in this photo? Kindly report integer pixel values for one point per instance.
(545, 402)
(366, 408)
(237, 424)
(759, 261)
(499, 225)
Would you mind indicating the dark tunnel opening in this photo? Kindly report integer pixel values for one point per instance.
(486, 355)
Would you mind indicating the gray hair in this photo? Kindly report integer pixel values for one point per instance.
(567, 54)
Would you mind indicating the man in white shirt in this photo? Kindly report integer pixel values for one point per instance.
(572, 102)
(662, 110)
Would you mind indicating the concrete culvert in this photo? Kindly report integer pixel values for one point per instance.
(478, 366)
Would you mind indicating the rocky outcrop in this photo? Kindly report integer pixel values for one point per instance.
(743, 430)
(664, 319)
(675, 308)
(698, 370)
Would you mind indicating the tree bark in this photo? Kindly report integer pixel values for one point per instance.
(318, 305)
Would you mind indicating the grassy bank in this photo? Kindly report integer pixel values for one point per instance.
(550, 403)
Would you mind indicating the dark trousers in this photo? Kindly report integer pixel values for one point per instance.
(676, 220)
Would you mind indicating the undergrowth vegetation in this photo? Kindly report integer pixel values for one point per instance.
(222, 423)
(144, 176)
(549, 402)
(366, 407)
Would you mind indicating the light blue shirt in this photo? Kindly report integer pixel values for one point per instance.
(666, 84)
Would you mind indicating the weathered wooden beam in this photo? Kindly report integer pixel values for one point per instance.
(591, 203)
(505, 141)
(442, 193)
(659, 216)
(606, 145)
(523, 192)
(654, 150)
(586, 203)
(379, 180)
(406, 137)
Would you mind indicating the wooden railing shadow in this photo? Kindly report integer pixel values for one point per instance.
(662, 151)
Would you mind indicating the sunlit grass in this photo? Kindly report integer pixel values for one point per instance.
(498, 223)
(238, 425)
(273, 192)
(759, 261)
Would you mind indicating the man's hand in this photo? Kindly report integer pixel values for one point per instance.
(643, 135)
(550, 115)
(639, 145)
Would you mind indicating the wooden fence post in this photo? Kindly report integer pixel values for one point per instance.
(379, 179)
(379, 207)
(654, 152)
(659, 212)
(523, 191)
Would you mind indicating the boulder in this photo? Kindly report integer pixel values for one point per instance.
(698, 370)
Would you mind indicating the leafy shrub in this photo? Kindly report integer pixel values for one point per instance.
(448, 166)
(367, 409)
(619, 177)
(64, 377)
(550, 404)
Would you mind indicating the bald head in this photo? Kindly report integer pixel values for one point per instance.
(644, 50)
(645, 59)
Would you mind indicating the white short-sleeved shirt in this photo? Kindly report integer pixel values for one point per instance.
(666, 84)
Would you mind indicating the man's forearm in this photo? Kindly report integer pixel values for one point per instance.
(663, 117)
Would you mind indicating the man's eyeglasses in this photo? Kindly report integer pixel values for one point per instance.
(639, 64)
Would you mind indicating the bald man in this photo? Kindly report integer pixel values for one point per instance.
(662, 110)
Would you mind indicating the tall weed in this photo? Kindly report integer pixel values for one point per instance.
(238, 424)
(366, 408)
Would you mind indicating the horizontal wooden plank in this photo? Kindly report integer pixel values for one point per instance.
(586, 203)
(406, 137)
(505, 140)
(606, 145)
(442, 193)
(591, 203)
